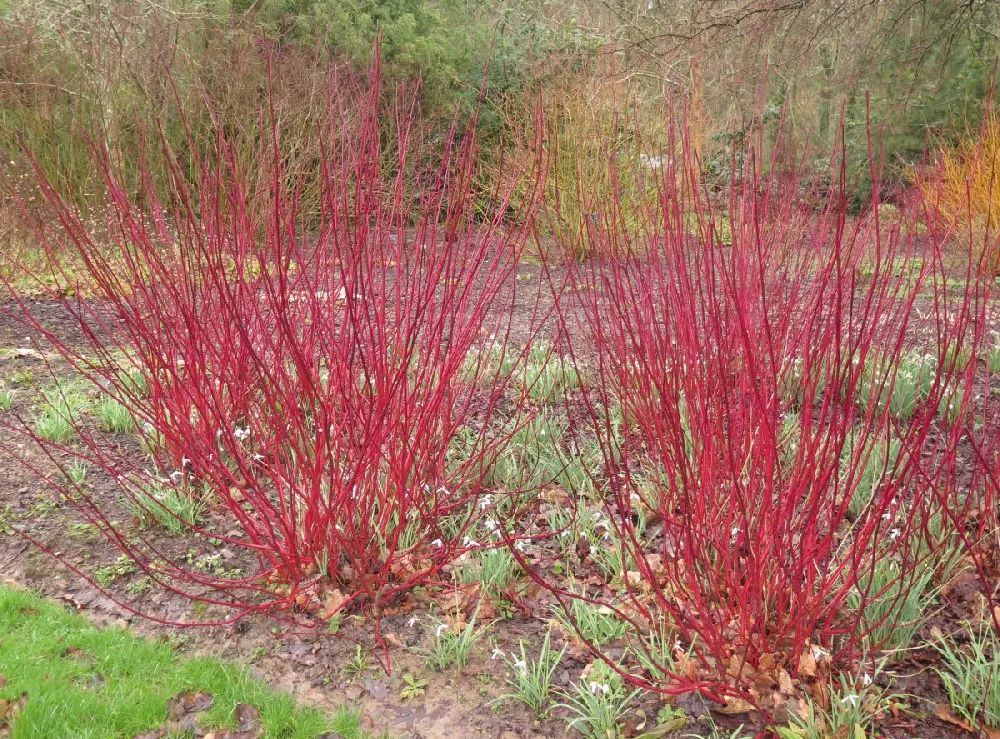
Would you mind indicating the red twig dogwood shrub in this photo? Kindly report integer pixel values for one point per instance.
(298, 386)
(775, 496)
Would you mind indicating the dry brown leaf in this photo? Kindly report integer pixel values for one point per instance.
(945, 713)
(785, 684)
(686, 665)
(802, 710)
(807, 663)
(736, 705)
(181, 705)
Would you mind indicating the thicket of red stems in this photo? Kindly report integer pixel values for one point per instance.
(305, 381)
(718, 356)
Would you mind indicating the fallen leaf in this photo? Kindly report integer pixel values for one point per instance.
(736, 705)
(247, 717)
(945, 713)
(377, 689)
(353, 692)
(393, 640)
(661, 730)
(807, 663)
(10, 708)
(333, 600)
(785, 684)
(181, 705)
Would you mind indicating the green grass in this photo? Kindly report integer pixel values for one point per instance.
(59, 413)
(903, 389)
(532, 679)
(548, 376)
(6, 399)
(993, 359)
(971, 676)
(86, 683)
(597, 624)
(114, 417)
(451, 647)
(174, 508)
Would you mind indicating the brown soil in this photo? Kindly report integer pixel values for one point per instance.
(311, 664)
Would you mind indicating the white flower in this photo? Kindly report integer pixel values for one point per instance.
(866, 679)
(819, 653)
(469, 542)
(496, 653)
(486, 502)
(596, 688)
(490, 524)
(412, 622)
(734, 532)
(852, 699)
(520, 545)
(521, 665)
(440, 629)
(437, 543)
(895, 534)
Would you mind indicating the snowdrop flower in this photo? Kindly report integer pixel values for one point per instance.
(819, 653)
(437, 543)
(866, 679)
(852, 699)
(520, 545)
(241, 434)
(652, 162)
(894, 534)
(596, 688)
(258, 458)
(469, 542)
(440, 629)
(734, 532)
(486, 502)
(412, 622)
(521, 665)
(490, 524)
(496, 653)
(442, 489)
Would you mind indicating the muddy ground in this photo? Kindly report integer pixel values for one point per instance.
(312, 664)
